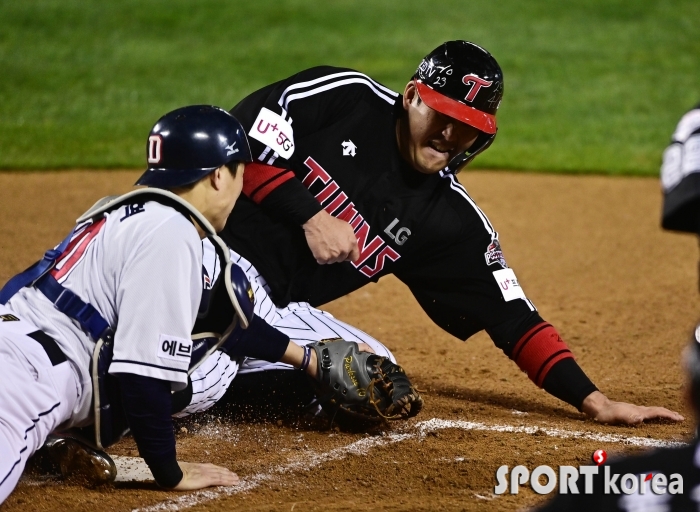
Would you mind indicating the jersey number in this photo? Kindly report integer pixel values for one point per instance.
(76, 249)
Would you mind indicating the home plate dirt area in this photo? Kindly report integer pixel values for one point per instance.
(589, 253)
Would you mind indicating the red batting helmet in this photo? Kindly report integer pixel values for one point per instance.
(463, 81)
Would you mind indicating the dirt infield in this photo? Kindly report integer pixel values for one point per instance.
(588, 252)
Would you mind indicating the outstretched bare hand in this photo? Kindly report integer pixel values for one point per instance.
(197, 476)
(602, 409)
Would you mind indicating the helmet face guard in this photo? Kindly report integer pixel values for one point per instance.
(462, 81)
(189, 143)
(460, 161)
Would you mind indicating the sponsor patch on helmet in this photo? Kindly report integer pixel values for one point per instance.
(494, 254)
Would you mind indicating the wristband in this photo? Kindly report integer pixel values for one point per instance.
(306, 359)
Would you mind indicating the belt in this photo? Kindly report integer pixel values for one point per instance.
(50, 346)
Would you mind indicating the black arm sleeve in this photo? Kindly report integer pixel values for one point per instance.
(182, 398)
(148, 403)
(567, 381)
(291, 201)
(260, 340)
(459, 292)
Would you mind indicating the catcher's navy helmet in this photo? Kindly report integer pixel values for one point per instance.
(463, 81)
(188, 143)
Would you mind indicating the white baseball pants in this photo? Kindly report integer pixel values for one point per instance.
(35, 397)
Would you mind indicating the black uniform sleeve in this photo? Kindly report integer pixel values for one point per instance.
(565, 380)
(457, 288)
(148, 403)
(291, 200)
(311, 101)
(457, 284)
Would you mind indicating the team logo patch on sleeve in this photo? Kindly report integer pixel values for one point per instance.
(508, 283)
(175, 349)
(494, 254)
(273, 131)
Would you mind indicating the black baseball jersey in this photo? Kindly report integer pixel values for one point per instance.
(425, 229)
(330, 135)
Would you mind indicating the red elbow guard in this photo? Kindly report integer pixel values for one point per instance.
(260, 179)
(539, 350)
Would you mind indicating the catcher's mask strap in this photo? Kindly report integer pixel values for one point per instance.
(110, 203)
(71, 305)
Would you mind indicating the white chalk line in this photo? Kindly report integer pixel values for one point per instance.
(437, 424)
(304, 463)
(312, 460)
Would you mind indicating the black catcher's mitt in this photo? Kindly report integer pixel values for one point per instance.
(356, 386)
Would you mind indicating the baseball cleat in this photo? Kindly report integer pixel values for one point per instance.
(79, 462)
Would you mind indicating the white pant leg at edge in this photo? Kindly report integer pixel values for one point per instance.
(35, 398)
(301, 322)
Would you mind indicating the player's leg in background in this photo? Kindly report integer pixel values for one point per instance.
(262, 389)
(301, 322)
(270, 391)
(36, 396)
(210, 380)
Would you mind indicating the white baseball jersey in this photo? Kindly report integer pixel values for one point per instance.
(140, 267)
